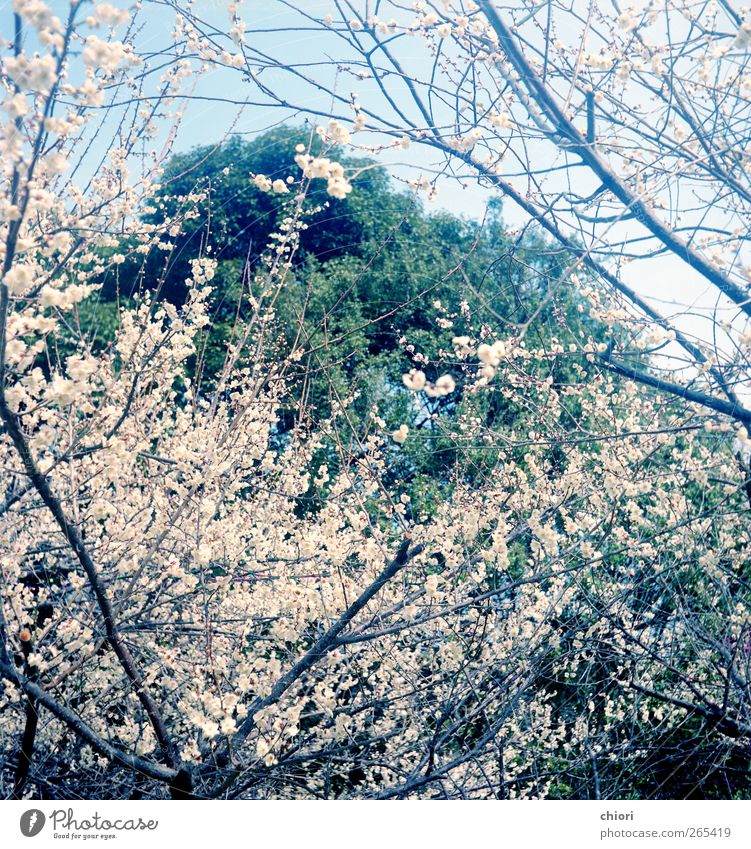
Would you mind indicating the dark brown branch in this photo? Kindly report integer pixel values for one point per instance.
(735, 411)
(76, 724)
(28, 737)
(725, 724)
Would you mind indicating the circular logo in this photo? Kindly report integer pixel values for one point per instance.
(32, 822)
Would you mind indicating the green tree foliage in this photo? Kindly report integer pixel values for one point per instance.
(380, 285)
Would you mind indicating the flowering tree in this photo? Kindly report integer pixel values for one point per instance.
(192, 606)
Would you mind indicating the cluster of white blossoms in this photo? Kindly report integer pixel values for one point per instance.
(335, 133)
(277, 186)
(21, 278)
(490, 357)
(105, 56)
(40, 16)
(105, 14)
(400, 434)
(320, 167)
(416, 381)
(35, 73)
